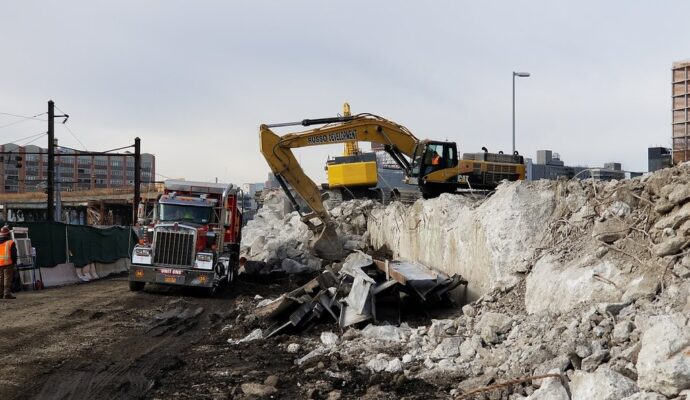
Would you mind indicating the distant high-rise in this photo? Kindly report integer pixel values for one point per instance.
(681, 111)
(658, 158)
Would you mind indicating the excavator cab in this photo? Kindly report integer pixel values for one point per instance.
(429, 158)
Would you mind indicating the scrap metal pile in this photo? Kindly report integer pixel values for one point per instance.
(361, 289)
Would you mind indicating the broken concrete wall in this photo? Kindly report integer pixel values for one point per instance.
(489, 242)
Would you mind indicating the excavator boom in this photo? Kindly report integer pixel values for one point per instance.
(363, 128)
(277, 150)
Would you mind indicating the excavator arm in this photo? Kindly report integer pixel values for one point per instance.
(277, 150)
(398, 142)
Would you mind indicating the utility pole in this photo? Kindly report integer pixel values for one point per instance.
(50, 212)
(58, 189)
(50, 186)
(137, 180)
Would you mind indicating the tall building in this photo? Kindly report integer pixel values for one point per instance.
(271, 182)
(681, 106)
(249, 204)
(21, 172)
(658, 158)
(250, 188)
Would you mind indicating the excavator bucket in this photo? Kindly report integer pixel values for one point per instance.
(328, 245)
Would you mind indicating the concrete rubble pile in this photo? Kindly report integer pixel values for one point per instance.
(277, 239)
(360, 289)
(586, 280)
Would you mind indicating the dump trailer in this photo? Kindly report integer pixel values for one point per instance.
(193, 238)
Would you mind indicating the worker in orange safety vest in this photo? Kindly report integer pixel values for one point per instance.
(8, 259)
(436, 159)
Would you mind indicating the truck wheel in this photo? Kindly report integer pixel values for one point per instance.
(213, 290)
(135, 286)
(232, 275)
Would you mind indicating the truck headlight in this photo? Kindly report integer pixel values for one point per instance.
(204, 261)
(141, 255)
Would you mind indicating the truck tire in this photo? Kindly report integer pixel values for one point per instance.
(135, 286)
(213, 291)
(232, 275)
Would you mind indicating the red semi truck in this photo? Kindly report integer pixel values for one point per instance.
(193, 238)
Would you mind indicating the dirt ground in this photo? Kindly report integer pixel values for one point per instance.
(100, 341)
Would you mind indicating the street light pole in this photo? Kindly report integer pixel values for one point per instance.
(521, 75)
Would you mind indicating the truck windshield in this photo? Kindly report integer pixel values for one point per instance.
(171, 212)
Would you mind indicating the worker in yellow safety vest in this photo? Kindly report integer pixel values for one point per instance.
(8, 259)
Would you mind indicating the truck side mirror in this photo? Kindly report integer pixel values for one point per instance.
(141, 213)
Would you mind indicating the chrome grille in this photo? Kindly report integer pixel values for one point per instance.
(174, 247)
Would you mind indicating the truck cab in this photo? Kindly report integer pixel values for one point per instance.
(192, 238)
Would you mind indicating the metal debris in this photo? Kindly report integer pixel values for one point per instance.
(363, 289)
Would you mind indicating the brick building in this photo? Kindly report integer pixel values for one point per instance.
(681, 111)
(73, 172)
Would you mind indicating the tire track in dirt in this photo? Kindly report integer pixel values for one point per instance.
(132, 368)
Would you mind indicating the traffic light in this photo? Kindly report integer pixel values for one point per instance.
(18, 159)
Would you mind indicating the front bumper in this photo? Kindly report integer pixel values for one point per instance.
(171, 276)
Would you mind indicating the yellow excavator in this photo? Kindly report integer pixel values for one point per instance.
(433, 166)
(354, 174)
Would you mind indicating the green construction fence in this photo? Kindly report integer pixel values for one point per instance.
(58, 243)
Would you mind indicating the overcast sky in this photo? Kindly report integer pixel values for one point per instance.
(195, 79)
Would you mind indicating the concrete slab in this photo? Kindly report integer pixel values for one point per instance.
(119, 266)
(61, 274)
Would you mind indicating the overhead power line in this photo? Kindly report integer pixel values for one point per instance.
(23, 119)
(17, 141)
(31, 141)
(75, 136)
(70, 131)
(24, 116)
(16, 122)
